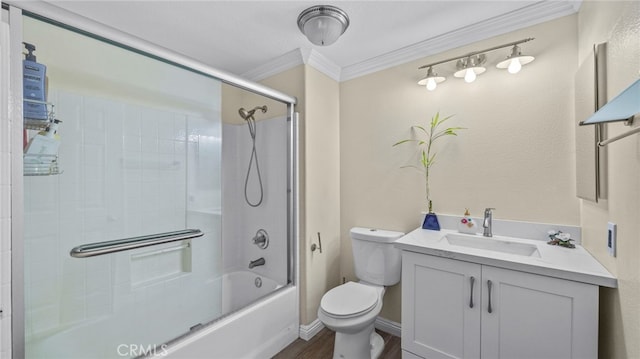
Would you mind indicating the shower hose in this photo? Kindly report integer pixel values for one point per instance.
(251, 124)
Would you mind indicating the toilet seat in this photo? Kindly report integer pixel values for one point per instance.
(349, 300)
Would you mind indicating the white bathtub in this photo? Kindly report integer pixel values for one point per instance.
(259, 330)
(239, 289)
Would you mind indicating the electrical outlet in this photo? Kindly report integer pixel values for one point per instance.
(611, 238)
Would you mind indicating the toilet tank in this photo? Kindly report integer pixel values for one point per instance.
(375, 258)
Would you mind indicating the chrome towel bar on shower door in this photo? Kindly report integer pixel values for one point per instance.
(118, 245)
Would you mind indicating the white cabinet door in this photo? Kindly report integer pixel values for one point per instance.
(440, 307)
(534, 316)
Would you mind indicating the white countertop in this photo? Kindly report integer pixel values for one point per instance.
(566, 263)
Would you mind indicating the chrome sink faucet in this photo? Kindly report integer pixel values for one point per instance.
(487, 222)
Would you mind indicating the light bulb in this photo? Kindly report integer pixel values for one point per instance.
(431, 84)
(514, 66)
(469, 76)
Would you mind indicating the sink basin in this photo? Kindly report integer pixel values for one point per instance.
(495, 244)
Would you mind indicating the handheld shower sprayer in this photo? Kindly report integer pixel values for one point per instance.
(247, 115)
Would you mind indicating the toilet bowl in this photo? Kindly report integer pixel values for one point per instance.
(352, 308)
(351, 311)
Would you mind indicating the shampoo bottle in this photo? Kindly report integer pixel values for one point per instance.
(33, 84)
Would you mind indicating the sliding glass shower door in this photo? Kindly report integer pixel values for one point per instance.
(136, 160)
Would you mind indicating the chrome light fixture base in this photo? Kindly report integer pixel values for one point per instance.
(431, 80)
(474, 63)
(323, 24)
(470, 67)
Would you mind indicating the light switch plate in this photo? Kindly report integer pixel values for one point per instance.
(611, 238)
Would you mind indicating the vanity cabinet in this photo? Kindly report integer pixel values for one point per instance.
(458, 309)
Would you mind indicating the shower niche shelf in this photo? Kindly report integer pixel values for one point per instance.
(40, 164)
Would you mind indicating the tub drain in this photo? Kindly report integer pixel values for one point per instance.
(258, 282)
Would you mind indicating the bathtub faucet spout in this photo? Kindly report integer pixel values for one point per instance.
(257, 262)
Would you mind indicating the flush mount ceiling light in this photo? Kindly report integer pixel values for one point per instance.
(323, 24)
(469, 66)
(432, 80)
(513, 63)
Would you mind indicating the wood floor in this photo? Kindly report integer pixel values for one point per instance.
(321, 347)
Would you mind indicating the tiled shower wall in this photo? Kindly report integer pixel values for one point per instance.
(241, 221)
(128, 170)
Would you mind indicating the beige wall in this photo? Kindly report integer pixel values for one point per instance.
(106, 70)
(233, 98)
(318, 106)
(517, 153)
(322, 194)
(618, 24)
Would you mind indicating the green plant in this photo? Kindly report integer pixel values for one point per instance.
(424, 145)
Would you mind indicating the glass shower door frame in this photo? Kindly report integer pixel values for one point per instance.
(54, 15)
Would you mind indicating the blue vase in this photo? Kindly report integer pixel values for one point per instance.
(431, 222)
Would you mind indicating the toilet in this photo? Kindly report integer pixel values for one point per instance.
(351, 308)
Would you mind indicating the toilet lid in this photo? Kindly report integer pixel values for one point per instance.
(349, 299)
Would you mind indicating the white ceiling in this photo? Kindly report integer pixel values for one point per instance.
(242, 36)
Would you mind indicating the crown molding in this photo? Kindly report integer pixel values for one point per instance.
(528, 16)
(324, 65)
(292, 59)
(281, 63)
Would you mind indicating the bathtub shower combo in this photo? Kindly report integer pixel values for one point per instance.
(153, 229)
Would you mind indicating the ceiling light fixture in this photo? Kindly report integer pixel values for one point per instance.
(323, 24)
(513, 63)
(469, 66)
(431, 80)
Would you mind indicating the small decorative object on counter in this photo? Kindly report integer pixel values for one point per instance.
(431, 220)
(467, 224)
(558, 238)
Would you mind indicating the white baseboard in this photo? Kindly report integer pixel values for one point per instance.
(306, 332)
(388, 326)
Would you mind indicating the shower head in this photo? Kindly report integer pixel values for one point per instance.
(249, 114)
(245, 114)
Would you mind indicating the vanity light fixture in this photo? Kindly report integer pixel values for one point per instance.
(469, 66)
(513, 63)
(323, 24)
(431, 80)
